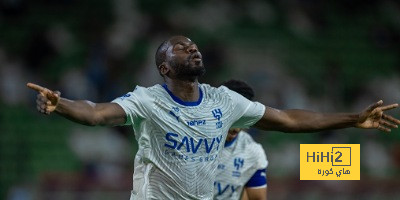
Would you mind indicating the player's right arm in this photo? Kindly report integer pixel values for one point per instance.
(81, 111)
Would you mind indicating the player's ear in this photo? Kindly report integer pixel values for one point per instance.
(164, 69)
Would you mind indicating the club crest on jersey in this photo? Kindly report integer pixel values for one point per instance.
(237, 163)
(217, 113)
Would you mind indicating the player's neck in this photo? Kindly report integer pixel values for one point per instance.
(184, 90)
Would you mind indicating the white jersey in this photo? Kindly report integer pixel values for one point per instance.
(179, 142)
(239, 161)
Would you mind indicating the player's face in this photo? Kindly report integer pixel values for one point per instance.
(184, 58)
(232, 134)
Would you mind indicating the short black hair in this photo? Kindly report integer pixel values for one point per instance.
(240, 87)
(160, 54)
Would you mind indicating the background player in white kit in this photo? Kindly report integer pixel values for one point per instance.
(179, 126)
(243, 162)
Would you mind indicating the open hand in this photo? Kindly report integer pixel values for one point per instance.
(47, 100)
(374, 118)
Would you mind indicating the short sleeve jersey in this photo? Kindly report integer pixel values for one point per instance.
(179, 142)
(239, 161)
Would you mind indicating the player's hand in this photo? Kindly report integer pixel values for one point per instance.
(47, 100)
(374, 118)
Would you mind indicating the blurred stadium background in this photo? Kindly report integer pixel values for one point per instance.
(320, 55)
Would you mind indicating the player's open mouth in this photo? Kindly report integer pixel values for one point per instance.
(196, 57)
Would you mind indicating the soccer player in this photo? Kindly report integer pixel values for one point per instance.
(243, 162)
(180, 126)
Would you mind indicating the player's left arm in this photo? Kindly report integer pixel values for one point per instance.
(373, 117)
(254, 193)
(244, 195)
(256, 187)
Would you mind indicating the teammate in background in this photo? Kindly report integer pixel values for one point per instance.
(180, 125)
(243, 163)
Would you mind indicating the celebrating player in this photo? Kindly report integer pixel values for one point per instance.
(181, 125)
(243, 162)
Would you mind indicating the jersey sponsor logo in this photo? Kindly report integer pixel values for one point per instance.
(180, 156)
(192, 145)
(221, 188)
(196, 122)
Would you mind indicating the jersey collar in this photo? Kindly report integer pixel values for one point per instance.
(185, 103)
(228, 144)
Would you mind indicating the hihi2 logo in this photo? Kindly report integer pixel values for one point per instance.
(329, 162)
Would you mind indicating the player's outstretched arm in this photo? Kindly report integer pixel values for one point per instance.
(372, 117)
(81, 111)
